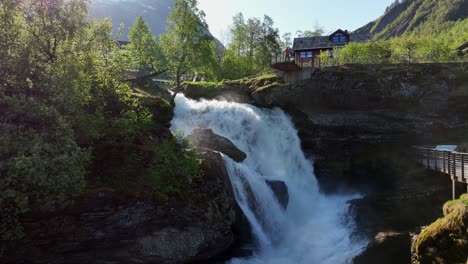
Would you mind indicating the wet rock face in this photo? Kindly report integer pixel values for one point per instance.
(106, 227)
(280, 189)
(396, 245)
(206, 138)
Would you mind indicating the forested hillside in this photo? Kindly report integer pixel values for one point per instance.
(70, 120)
(418, 17)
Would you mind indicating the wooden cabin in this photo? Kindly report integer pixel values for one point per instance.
(307, 49)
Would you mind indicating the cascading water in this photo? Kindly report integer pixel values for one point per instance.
(314, 228)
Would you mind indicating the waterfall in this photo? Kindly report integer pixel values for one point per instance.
(314, 228)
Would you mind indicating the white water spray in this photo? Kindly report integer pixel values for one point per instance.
(314, 228)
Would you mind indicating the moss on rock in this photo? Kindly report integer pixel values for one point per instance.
(245, 86)
(446, 240)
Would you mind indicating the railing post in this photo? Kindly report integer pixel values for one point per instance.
(454, 195)
(443, 161)
(454, 158)
(463, 166)
(449, 168)
(435, 159)
(428, 155)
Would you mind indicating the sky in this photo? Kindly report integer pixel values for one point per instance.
(290, 16)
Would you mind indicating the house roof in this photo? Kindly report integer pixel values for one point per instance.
(322, 42)
(308, 42)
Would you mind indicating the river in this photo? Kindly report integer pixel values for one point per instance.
(315, 228)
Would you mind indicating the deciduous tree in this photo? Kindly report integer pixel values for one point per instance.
(186, 40)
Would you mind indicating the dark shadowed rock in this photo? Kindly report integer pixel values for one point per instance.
(106, 227)
(280, 189)
(396, 245)
(213, 166)
(205, 138)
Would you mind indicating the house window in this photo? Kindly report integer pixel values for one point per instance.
(307, 54)
(339, 38)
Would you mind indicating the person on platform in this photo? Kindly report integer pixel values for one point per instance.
(287, 53)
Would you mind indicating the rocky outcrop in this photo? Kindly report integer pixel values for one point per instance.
(280, 189)
(396, 245)
(103, 226)
(446, 240)
(230, 90)
(358, 122)
(206, 138)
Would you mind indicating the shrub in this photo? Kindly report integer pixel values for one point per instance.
(40, 162)
(173, 168)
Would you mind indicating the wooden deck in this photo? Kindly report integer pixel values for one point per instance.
(452, 163)
(283, 63)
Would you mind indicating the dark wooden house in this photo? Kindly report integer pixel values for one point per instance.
(307, 49)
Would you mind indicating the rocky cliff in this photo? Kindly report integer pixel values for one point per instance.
(359, 122)
(104, 226)
(123, 225)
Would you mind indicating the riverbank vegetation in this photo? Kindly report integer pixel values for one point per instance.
(445, 241)
(69, 120)
(71, 117)
(416, 47)
(410, 31)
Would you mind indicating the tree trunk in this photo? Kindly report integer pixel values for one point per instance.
(177, 88)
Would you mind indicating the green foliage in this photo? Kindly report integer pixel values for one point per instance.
(446, 240)
(252, 43)
(143, 49)
(65, 111)
(173, 168)
(210, 89)
(186, 44)
(419, 17)
(405, 49)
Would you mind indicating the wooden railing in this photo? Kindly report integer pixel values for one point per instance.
(452, 163)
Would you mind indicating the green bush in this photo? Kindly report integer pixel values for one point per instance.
(445, 240)
(173, 168)
(40, 162)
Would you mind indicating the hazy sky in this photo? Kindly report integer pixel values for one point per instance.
(293, 15)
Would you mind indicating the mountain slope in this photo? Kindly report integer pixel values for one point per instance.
(155, 13)
(417, 16)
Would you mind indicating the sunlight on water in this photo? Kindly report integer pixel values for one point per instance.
(315, 228)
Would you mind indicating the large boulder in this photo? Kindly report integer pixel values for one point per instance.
(103, 226)
(396, 245)
(206, 138)
(213, 167)
(280, 189)
(446, 240)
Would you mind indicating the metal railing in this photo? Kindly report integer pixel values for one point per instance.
(452, 163)
(277, 58)
(280, 58)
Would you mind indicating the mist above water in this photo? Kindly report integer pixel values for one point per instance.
(314, 228)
